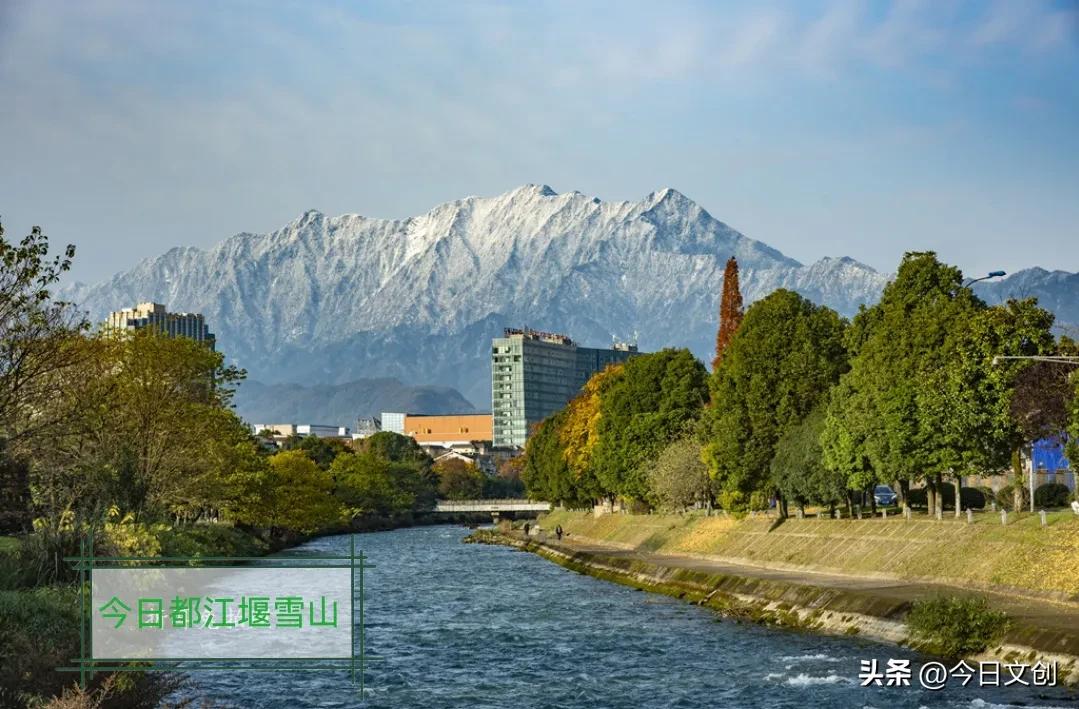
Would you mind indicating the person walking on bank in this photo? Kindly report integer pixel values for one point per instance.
(558, 532)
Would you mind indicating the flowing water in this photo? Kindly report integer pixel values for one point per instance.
(462, 625)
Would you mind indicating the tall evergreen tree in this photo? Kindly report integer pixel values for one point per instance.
(781, 363)
(730, 311)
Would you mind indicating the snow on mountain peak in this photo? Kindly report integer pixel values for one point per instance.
(536, 190)
(335, 299)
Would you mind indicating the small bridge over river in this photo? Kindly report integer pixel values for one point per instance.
(496, 508)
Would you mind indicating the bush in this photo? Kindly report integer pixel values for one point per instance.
(1006, 497)
(10, 570)
(971, 497)
(954, 626)
(39, 631)
(1052, 495)
(210, 540)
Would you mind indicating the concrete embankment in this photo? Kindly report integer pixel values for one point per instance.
(833, 604)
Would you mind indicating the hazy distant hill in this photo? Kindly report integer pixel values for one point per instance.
(341, 403)
(332, 300)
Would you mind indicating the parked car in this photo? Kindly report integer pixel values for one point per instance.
(884, 495)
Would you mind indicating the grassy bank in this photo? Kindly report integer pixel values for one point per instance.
(1022, 556)
(876, 612)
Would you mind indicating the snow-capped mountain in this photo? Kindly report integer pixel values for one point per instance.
(329, 300)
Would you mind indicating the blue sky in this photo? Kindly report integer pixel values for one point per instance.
(862, 129)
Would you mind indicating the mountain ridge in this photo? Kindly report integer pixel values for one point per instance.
(328, 300)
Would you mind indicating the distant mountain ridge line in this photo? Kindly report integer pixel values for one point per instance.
(328, 300)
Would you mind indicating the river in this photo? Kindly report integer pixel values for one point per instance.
(476, 626)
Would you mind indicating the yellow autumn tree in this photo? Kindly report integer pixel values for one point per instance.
(578, 436)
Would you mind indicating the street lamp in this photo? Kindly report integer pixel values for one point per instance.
(991, 274)
(1059, 359)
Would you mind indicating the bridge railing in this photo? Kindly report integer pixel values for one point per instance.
(507, 505)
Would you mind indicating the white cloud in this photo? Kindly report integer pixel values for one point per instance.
(178, 122)
(1034, 25)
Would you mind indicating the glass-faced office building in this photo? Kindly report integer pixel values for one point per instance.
(534, 374)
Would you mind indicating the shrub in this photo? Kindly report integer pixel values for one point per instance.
(39, 631)
(987, 494)
(210, 540)
(970, 497)
(954, 626)
(973, 498)
(10, 570)
(1006, 497)
(1052, 495)
(759, 501)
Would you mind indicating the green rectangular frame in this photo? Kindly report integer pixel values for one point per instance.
(87, 666)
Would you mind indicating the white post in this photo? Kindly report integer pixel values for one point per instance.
(970, 516)
(1004, 517)
(1032, 483)
(1045, 522)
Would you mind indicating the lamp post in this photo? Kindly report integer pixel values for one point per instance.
(991, 274)
(968, 284)
(1059, 359)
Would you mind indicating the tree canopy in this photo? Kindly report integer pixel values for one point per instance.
(878, 418)
(781, 362)
(655, 399)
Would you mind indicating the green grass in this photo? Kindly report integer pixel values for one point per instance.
(1020, 555)
(9, 546)
(955, 626)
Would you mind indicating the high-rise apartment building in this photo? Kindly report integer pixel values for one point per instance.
(534, 374)
(155, 315)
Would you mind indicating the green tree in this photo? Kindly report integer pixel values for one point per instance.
(780, 364)
(798, 469)
(14, 494)
(501, 487)
(459, 479)
(289, 493)
(151, 432)
(546, 473)
(39, 353)
(656, 399)
(396, 448)
(321, 450)
(976, 402)
(1070, 401)
(370, 485)
(37, 334)
(678, 478)
(898, 345)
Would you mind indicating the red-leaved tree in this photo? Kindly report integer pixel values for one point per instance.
(730, 310)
